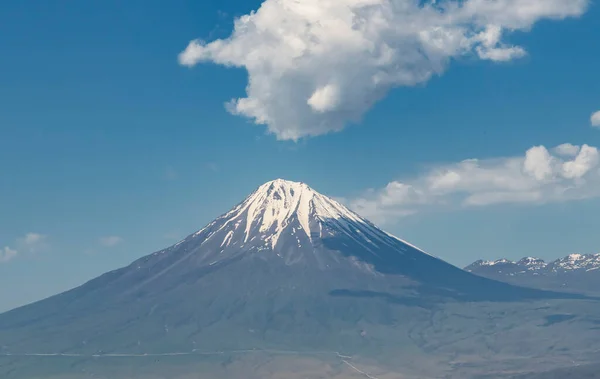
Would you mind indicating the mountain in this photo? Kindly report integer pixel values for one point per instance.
(573, 273)
(290, 283)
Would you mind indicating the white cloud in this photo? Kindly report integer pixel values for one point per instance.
(491, 47)
(586, 160)
(538, 163)
(6, 254)
(595, 119)
(29, 243)
(316, 65)
(111, 241)
(536, 177)
(32, 242)
(33, 238)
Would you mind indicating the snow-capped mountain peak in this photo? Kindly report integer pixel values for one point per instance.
(576, 262)
(274, 204)
(532, 263)
(289, 220)
(279, 203)
(502, 261)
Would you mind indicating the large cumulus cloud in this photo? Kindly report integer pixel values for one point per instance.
(316, 65)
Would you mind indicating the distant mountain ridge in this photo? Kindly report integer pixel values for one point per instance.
(574, 272)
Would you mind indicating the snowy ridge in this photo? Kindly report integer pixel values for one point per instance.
(579, 273)
(494, 263)
(572, 262)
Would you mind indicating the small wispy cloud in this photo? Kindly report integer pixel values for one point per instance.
(595, 119)
(29, 243)
(32, 242)
(7, 254)
(32, 239)
(110, 241)
(564, 173)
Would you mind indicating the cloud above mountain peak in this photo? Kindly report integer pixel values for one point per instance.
(317, 65)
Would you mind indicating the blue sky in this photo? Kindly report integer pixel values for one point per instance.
(111, 148)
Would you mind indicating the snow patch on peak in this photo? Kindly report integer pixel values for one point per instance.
(276, 204)
(496, 262)
(532, 263)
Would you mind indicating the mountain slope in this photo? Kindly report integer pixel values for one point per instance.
(290, 269)
(573, 273)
